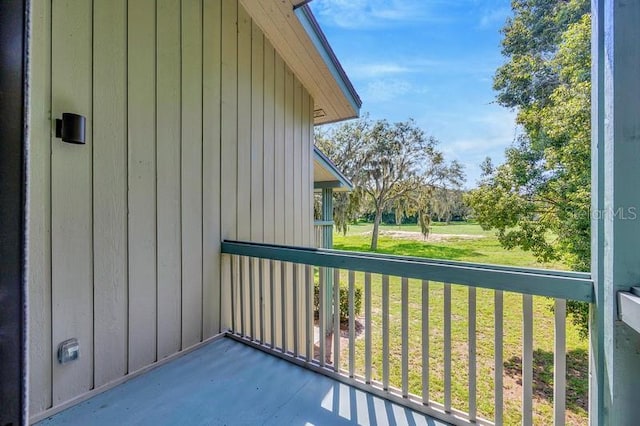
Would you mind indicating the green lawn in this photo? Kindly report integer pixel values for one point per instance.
(485, 249)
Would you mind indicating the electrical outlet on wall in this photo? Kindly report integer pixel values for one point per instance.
(68, 351)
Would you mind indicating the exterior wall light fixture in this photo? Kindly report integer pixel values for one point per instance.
(71, 128)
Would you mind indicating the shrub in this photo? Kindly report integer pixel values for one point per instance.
(344, 301)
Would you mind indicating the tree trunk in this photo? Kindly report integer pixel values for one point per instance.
(376, 229)
(328, 344)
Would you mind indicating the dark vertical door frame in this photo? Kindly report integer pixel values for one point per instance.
(13, 42)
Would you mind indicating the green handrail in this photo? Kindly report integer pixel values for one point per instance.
(557, 284)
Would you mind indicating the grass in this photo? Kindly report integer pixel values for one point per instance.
(485, 250)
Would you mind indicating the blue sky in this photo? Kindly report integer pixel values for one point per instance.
(430, 60)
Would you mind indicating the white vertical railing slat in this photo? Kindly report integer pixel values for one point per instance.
(425, 342)
(261, 296)
(234, 278)
(296, 310)
(336, 320)
(560, 362)
(252, 300)
(527, 359)
(498, 355)
(309, 310)
(367, 327)
(272, 299)
(385, 332)
(447, 347)
(352, 323)
(284, 304)
(243, 277)
(472, 354)
(322, 318)
(405, 336)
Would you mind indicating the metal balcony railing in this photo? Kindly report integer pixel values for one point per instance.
(269, 294)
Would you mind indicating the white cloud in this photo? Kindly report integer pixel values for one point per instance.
(366, 68)
(486, 134)
(375, 70)
(373, 13)
(467, 145)
(384, 90)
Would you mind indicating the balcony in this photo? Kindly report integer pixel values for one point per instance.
(270, 294)
(391, 365)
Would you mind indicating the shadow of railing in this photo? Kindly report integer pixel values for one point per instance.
(577, 376)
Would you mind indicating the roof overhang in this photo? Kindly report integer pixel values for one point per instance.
(297, 37)
(327, 175)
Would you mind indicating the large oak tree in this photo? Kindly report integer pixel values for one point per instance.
(388, 163)
(539, 198)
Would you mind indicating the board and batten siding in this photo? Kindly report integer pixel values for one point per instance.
(197, 131)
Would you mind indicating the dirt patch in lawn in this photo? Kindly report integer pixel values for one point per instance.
(417, 236)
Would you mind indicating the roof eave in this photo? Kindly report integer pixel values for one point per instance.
(342, 181)
(319, 40)
(297, 38)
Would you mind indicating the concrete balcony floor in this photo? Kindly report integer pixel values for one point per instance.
(229, 383)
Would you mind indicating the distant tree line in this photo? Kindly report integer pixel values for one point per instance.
(446, 205)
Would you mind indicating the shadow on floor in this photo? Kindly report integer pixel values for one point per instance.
(228, 383)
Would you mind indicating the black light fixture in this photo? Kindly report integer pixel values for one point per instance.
(71, 128)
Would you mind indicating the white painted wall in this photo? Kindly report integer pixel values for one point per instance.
(197, 131)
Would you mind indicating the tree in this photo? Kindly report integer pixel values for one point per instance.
(346, 208)
(539, 198)
(530, 44)
(386, 162)
(447, 197)
(434, 197)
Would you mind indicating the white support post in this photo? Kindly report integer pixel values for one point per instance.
(327, 216)
(327, 242)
